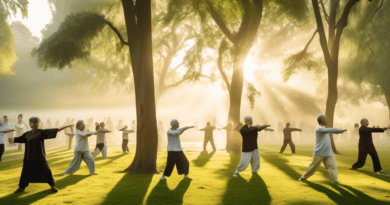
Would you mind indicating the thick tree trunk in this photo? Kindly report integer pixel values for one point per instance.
(331, 101)
(140, 41)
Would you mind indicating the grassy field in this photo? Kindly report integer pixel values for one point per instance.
(211, 182)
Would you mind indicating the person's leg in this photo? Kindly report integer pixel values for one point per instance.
(123, 146)
(1, 150)
(292, 146)
(206, 140)
(255, 161)
(375, 161)
(312, 167)
(244, 162)
(104, 152)
(96, 152)
(126, 141)
(182, 164)
(23, 182)
(74, 165)
(361, 160)
(283, 146)
(90, 161)
(70, 141)
(213, 144)
(331, 166)
(171, 160)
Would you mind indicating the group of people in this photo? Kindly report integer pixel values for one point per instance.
(36, 170)
(323, 152)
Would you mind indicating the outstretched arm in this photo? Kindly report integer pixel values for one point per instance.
(86, 134)
(7, 131)
(296, 129)
(64, 127)
(330, 130)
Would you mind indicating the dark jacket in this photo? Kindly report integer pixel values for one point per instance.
(249, 138)
(365, 140)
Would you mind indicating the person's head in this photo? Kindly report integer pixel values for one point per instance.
(34, 123)
(5, 119)
(102, 125)
(364, 122)
(208, 124)
(175, 124)
(322, 120)
(20, 117)
(97, 126)
(356, 125)
(248, 120)
(80, 125)
(288, 125)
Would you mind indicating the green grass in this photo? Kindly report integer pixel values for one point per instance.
(211, 182)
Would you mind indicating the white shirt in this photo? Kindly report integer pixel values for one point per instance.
(2, 135)
(81, 142)
(174, 139)
(126, 134)
(323, 146)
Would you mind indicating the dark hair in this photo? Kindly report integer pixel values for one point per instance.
(34, 119)
(319, 119)
(97, 127)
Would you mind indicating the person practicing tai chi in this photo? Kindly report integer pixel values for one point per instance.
(287, 138)
(70, 134)
(125, 139)
(208, 136)
(323, 151)
(35, 167)
(175, 152)
(81, 151)
(366, 146)
(3, 131)
(100, 141)
(20, 128)
(250, 151)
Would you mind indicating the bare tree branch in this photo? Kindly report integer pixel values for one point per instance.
(323, 9)
(116, 32)
(222, 49)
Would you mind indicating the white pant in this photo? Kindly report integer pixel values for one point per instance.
(75, 164)
(252, 157)
(329, 163)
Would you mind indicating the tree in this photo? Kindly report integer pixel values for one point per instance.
(238, 21)
(370, 51)
(7, 44)
(75, 40)
(330, 48)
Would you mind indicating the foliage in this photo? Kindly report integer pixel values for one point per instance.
(298, 61)
(251, 93)
(71, 41)
(7, 43)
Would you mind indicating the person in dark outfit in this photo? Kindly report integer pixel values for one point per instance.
(250, 151)
(366, 146)
(287, 138)
(208, 136)
(35, 167)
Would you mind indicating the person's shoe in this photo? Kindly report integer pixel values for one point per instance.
(186, 177)
(19, 190)
(235, 175)
(353, 168)
(381, 172)
(162, 178)
(93, 174)
(294, 153)
(54, 189)
(63, 174)
(301, 179)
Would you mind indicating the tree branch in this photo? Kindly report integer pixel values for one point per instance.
(222, 49)
(311, 39)
(321, 32)
(323, 9)
(177, 83)
(116, 32)
(218, 20)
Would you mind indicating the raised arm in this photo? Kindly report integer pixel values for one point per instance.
(86, 134)
(375, 129)
(296, 129)
(128, 131)
(330, 130)
(64, 127)
(7, 131)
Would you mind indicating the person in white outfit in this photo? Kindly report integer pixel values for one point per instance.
(20, 128)
(81, 151)
(250, 151)
(323, 152)
(175, 152)
(3, 130)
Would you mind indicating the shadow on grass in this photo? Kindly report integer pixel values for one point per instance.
(60, 184)
(375, 175)
(282, 164)
(230, 167)
(131, 189)
(344, 196)
(239, 191)
(161, 194)
(111, 159)
(203, 158)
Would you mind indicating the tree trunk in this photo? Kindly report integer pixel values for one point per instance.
(163, 75)
(331, 100)
(138, 23)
